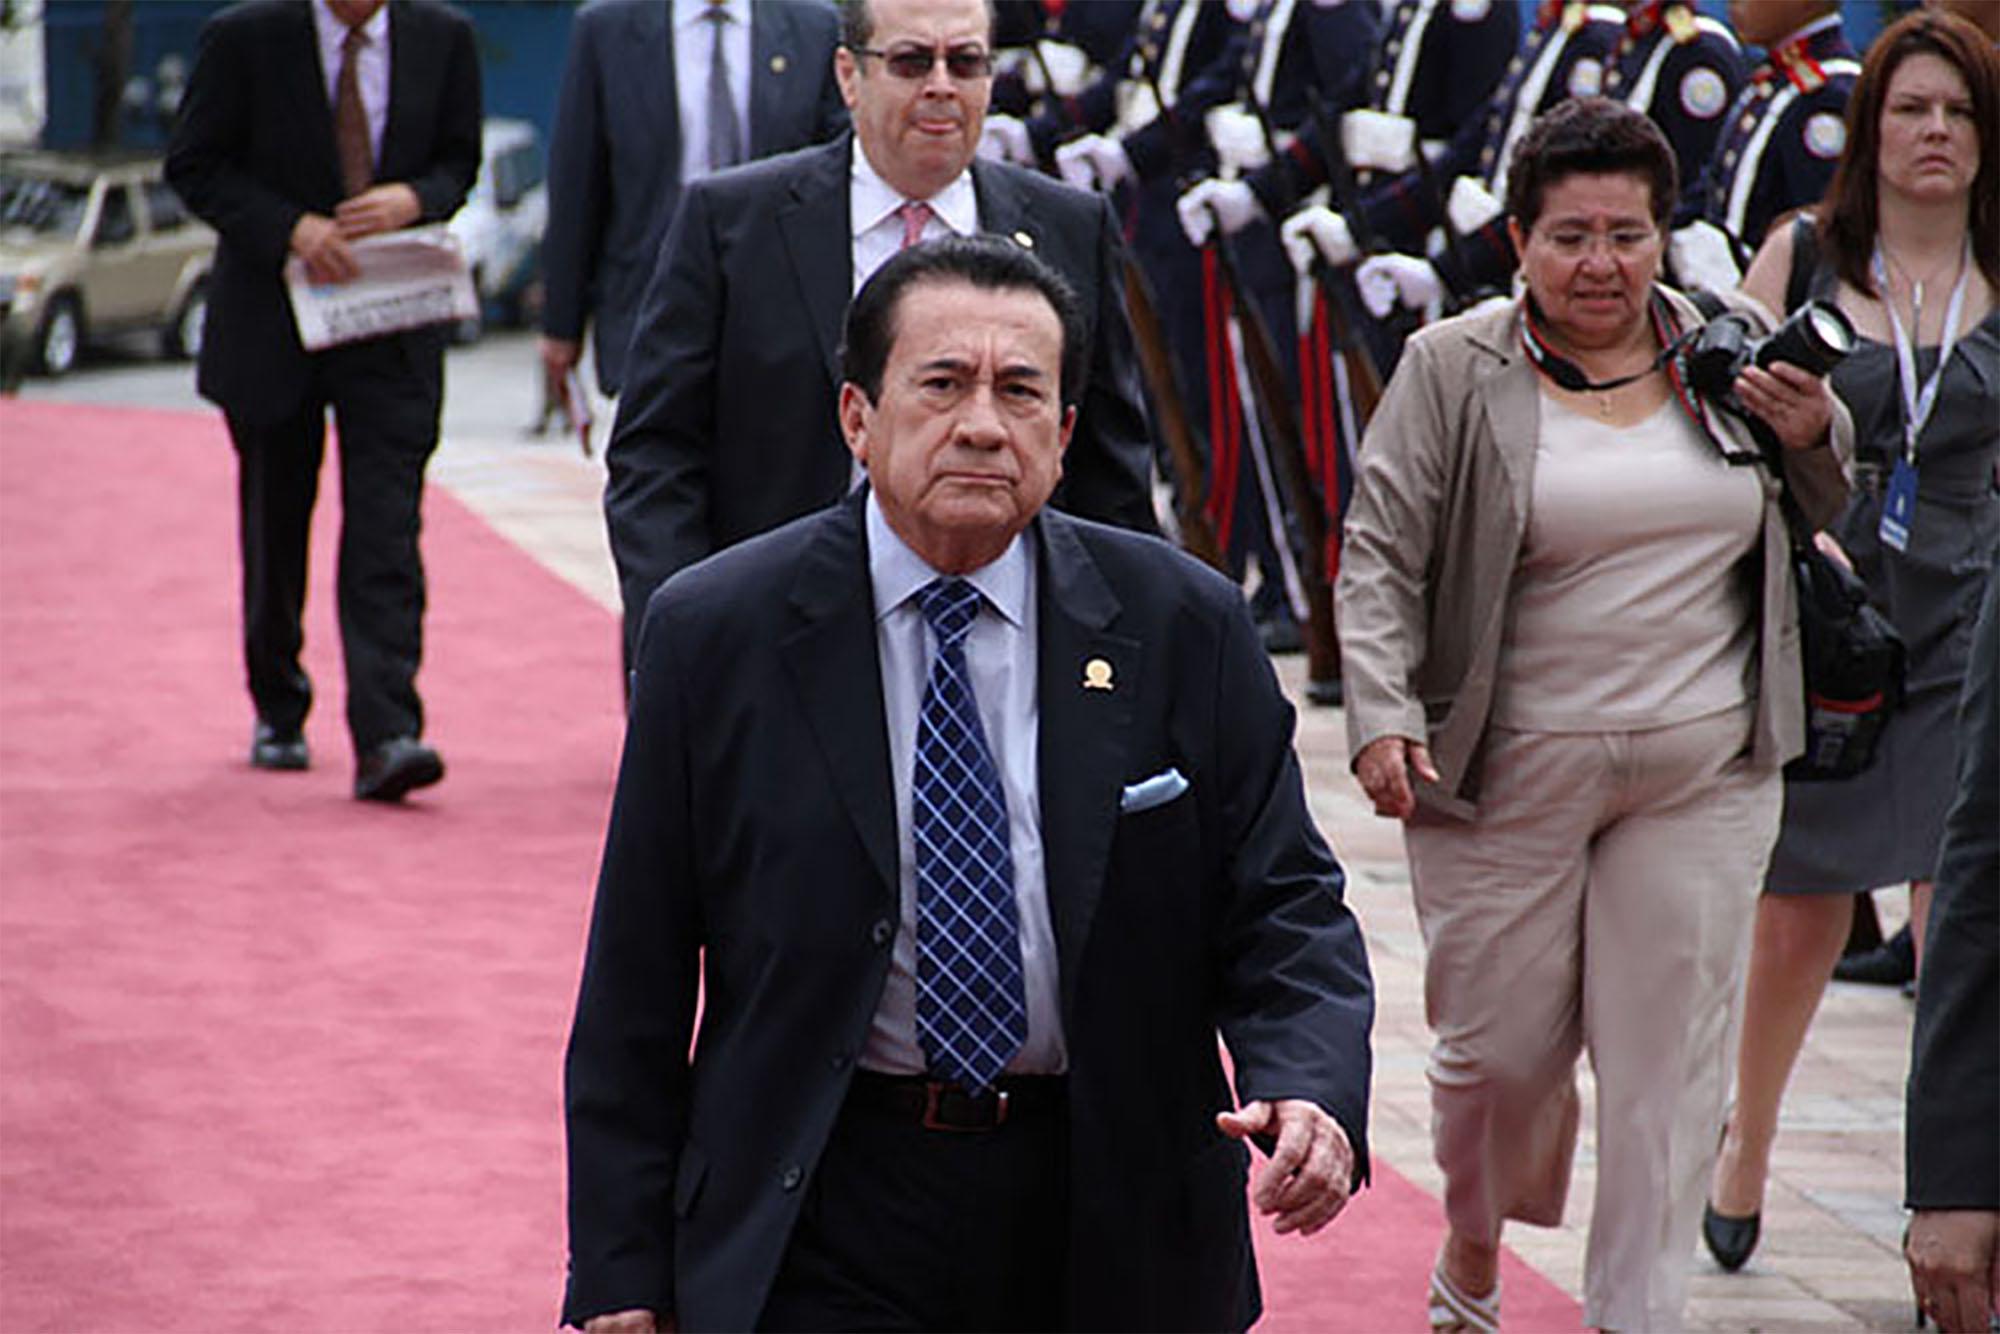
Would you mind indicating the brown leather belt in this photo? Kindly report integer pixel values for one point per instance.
(939, 1106)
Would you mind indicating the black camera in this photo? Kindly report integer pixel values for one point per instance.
(1816, 338)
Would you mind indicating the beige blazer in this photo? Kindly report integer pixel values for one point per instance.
(1434, 532)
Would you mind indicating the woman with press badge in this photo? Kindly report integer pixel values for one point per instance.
(1907, 245)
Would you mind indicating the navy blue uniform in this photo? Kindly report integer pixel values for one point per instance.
(1682, 70)
(1437, 62)
(1782, 138)
(1096, 27)
(1565, 54)
(1172, 42)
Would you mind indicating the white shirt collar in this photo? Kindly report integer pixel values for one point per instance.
(896, 573)
(874, 199)
(689, 13)
(332, 32)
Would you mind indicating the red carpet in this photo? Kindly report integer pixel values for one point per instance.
(273, 1059)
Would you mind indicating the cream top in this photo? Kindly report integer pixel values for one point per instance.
(1627, 610)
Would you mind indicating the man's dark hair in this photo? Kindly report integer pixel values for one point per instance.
(988, 263)
(1592, 136)
(857, 24)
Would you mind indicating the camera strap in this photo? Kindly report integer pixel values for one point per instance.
(1568, 375)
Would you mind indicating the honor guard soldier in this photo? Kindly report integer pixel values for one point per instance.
(1291, 56)
(1050, 48)
(1779, 144)
(1681, 70)
(1567, 53)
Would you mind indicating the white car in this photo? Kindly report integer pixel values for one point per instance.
(500, 226)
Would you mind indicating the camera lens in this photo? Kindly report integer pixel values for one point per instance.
(1816, 338)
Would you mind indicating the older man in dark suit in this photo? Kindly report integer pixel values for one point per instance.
(306, 127)
(654, 95)
(727, 425)
(976, 823)
(1952, 1132)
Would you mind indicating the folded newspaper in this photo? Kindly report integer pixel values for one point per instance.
(408, 279)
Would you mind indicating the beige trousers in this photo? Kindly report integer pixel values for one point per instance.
(1601, 902)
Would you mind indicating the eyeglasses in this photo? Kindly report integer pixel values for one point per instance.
(1576, 242)
(964, 63)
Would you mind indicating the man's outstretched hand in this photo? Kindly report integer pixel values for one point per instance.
(1306, 1182)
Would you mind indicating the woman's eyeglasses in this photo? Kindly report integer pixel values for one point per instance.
(963, 63)
(1622, 242)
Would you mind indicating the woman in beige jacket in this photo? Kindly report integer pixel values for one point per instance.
(1570, 649)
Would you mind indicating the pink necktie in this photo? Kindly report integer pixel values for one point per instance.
(915, 213)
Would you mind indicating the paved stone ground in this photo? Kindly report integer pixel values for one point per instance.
(1830, 1257)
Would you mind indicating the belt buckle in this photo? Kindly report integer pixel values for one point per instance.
(934, 1091)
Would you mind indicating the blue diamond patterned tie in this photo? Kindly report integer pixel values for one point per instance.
(972, 1014)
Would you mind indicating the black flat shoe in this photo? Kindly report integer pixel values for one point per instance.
(399, 765)
(272, 748)
(1729, 1240)
(1890, 964)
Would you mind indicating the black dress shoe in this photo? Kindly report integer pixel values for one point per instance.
(1890, 964)
(1280, 634)
(271, 748)
(399, 765)
(1729, 1240)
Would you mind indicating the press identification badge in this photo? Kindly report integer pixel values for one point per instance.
(1899, 506)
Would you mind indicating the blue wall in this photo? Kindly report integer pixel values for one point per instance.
(521, 49)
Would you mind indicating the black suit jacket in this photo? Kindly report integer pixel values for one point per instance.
(728, 425)
(1952, 1132)
(615, 154)
(754, 820)
(253, 149)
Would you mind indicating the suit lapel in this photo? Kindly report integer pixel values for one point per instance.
(1511, 392)
(657, 104)
(817, 231)
(1086, 734)
(315, 112)
(408, 72)
(832, 658)
(774, 71)
(1002, 210)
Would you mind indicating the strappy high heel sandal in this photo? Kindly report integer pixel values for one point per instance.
(1452, 1311)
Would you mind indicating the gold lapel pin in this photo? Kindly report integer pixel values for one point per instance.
(1097, 675)
(777, 64)
(1027, 242)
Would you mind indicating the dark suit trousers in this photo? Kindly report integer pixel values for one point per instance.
(905, 1228)
(385, 395)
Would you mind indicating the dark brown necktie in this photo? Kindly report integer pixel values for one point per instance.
(350, 118)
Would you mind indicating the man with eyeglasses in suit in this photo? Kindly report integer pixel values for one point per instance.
(727, 426)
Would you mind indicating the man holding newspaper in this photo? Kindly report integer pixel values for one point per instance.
(307, 130)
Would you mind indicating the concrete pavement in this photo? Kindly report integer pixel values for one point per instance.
(1829, 1258)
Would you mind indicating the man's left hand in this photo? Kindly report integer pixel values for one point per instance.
(379, 208)
(1307, 1180)
(1954, 1258)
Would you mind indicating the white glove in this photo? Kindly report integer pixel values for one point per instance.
(1317, 231)
(1378, 141)
(1005, 139)
(1068, 69)
(1470, 206)
(1702, 257)
(1229, 202)
(1386, 279)
(1093, 162)
(1237, 138)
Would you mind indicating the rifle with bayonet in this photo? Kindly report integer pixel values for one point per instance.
(1274, 397)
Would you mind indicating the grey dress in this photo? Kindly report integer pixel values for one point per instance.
(1884, 826)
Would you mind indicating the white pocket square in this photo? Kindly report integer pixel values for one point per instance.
(1158, 790)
